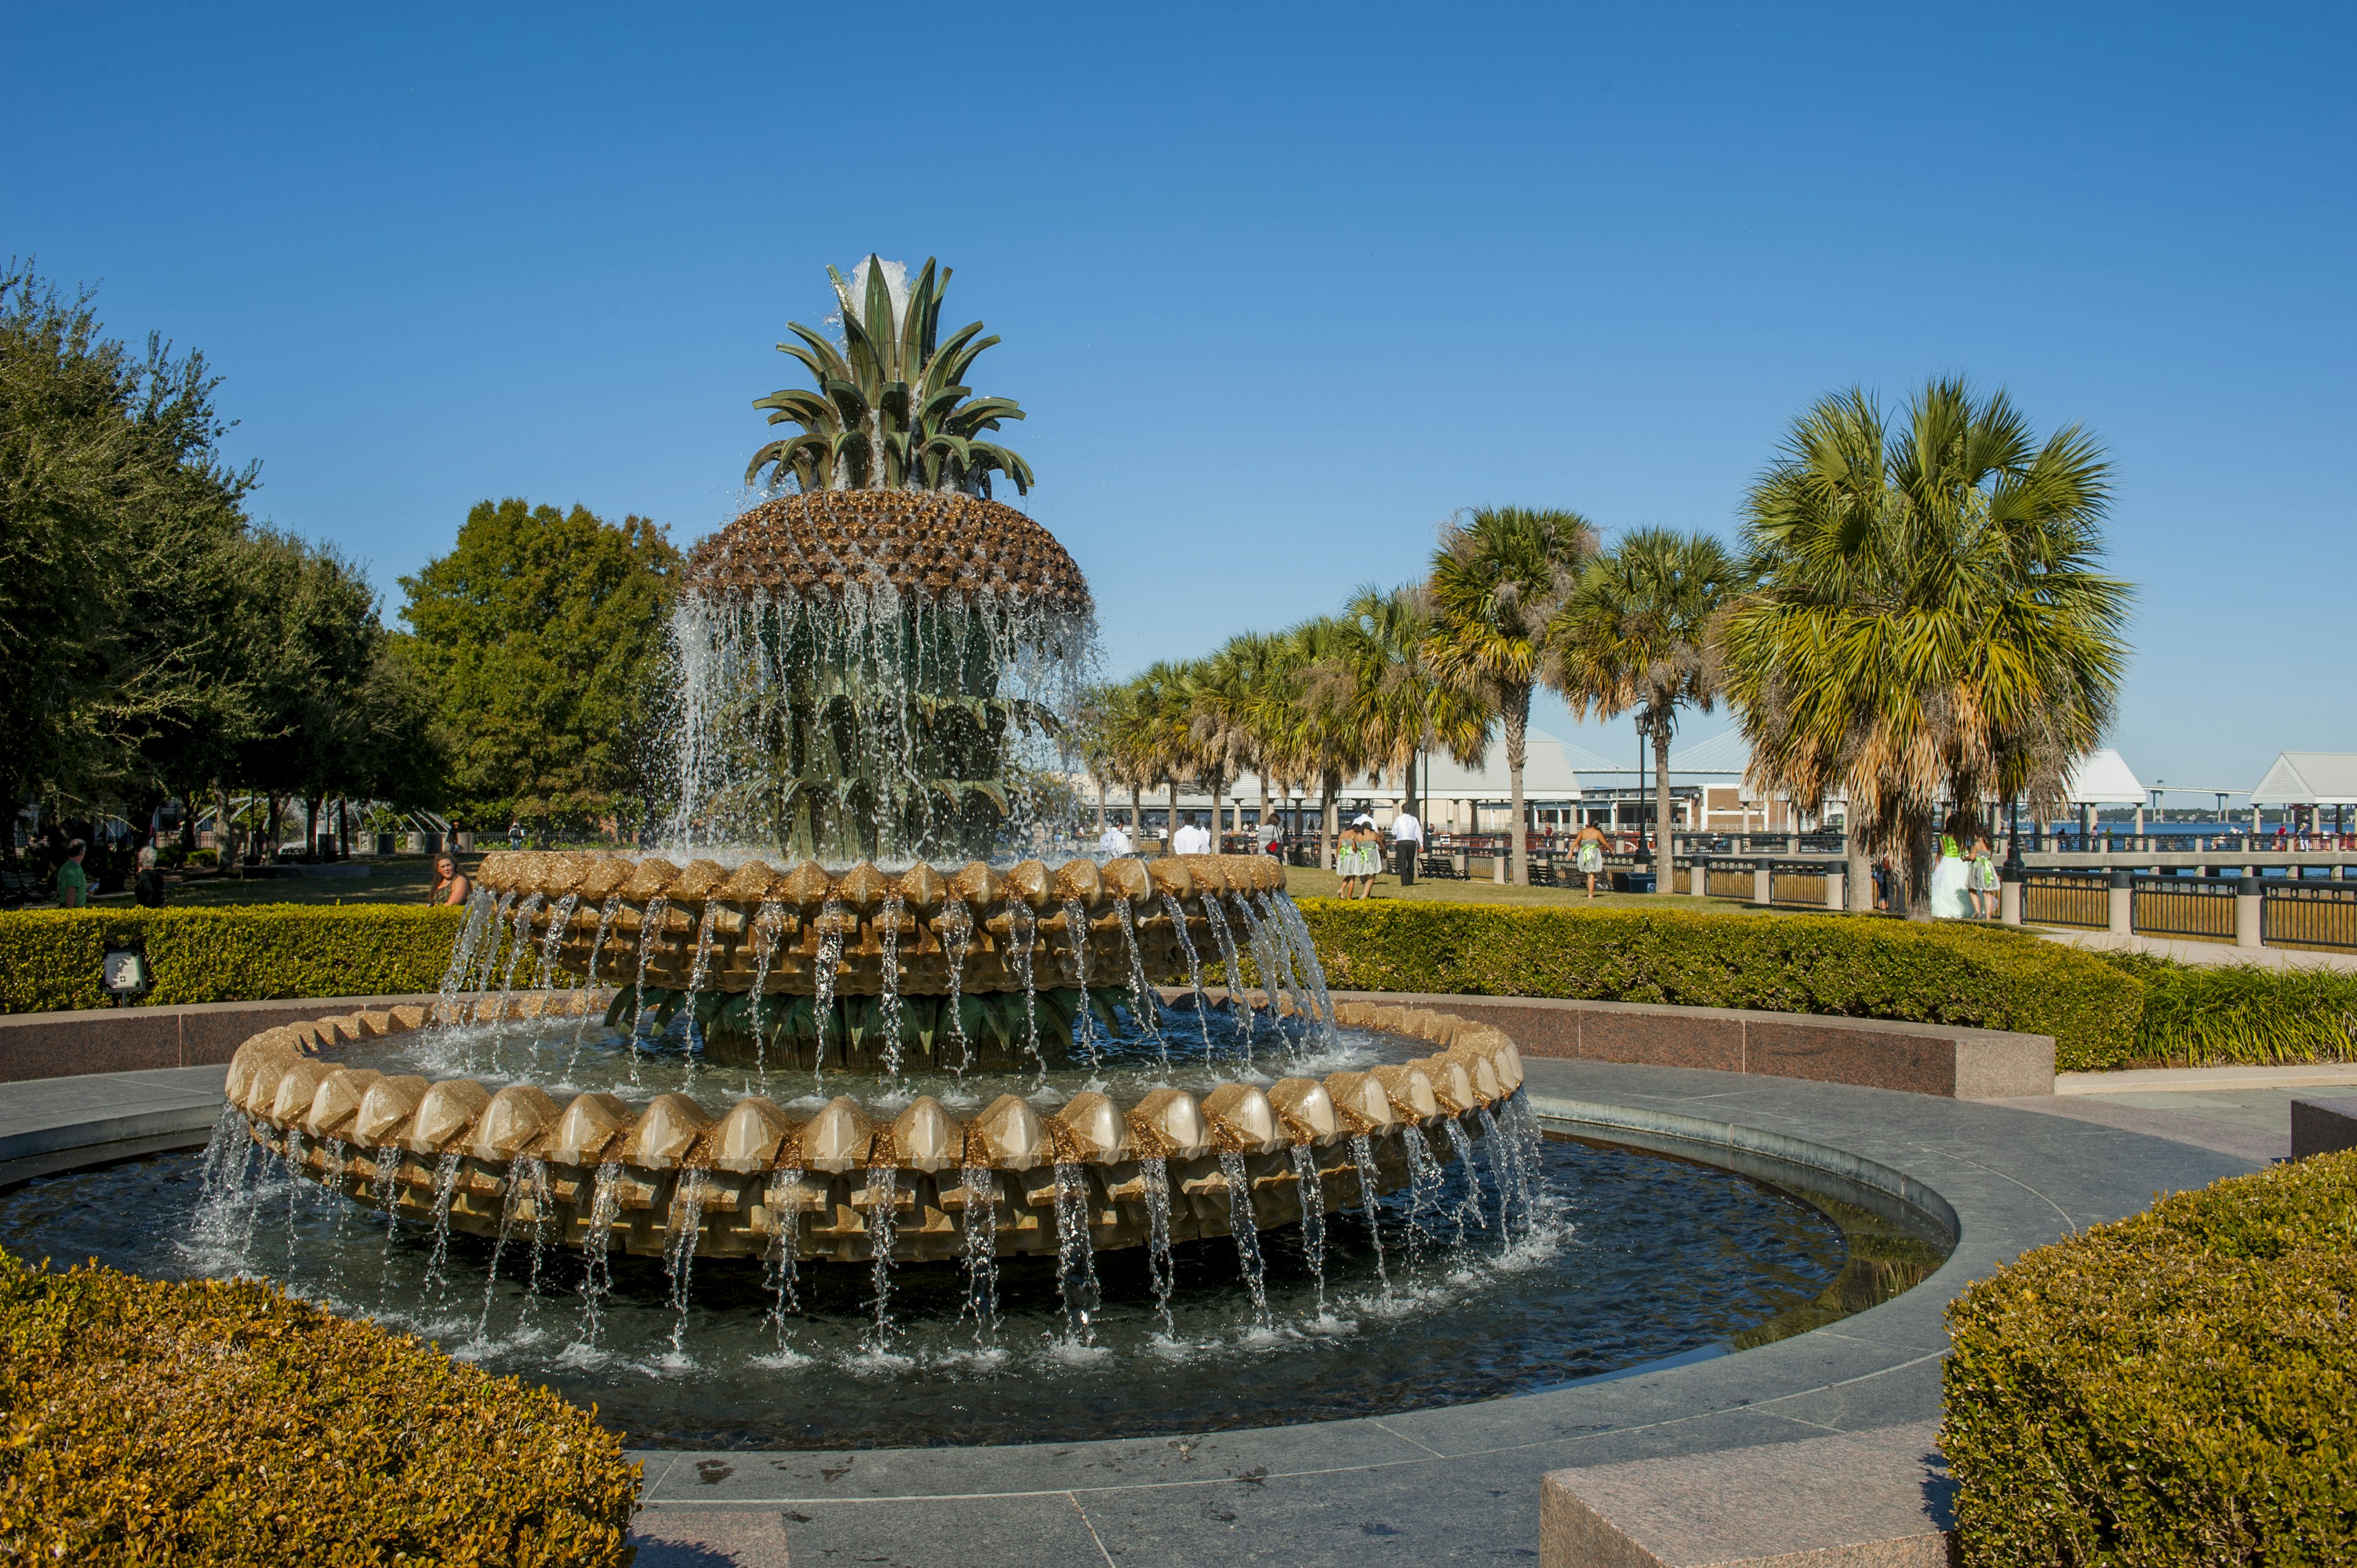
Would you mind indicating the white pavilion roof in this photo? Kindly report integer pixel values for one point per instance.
(2103, 779)
(2309, 779)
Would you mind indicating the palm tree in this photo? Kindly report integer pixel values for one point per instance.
(1928, 620)
(1497, 581)
(1319, 740)
(1635, 634)
(1223, 704)
(891, 411)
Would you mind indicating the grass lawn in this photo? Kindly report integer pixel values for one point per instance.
(394, 879)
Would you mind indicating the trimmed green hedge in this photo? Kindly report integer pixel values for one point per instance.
(2196, 1015)
(226, 1422)
(1980, 976)
(2176, 1388)
(49, 958)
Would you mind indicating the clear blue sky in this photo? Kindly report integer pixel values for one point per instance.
(1280, 288)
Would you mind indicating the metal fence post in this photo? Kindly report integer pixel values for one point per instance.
(2250, 910)
(2009, 894)
(1762, 881)
(2123, 903)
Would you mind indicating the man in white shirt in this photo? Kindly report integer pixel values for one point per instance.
(1113, 841)
(1192, 838)
(1408, 842)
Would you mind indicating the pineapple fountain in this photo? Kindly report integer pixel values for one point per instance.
(926, 1041)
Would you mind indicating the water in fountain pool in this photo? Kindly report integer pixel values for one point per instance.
(1625, 1258)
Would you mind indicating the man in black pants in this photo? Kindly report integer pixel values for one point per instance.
(1408, 842)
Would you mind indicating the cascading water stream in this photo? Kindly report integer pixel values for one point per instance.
(651, 926)
(1469, 1209)
(887, 978)
(781, 1260)
(1143, 1006)
(596, 1243)
(1245, 1227)
(699, 971)
(589, 985)
(1076, 1261)
(883, 1230)
(832, 918)
(1362, 1157)
(1177, 913)
(1236, 997)
(559, 922)
(1424, 1184)
(979, 1225)
(1313, 1218)
(488, 964)
(956, 927)
(768, 922)
(479, 904)
(1271, 938)
(446, 1187)
(1160, 1268)
(1506, 1166)
(1271, 971)
(1084, 1025)
(1022, 945)
(678, 1248)
(1305, 947)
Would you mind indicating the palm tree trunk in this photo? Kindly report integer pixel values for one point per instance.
(1663, 860)
(1857, 876)
(1919, 826)
(1135, 815)
(1170, 828)
(1219, 793)
(1328, 787)
(1518, 726)
(224, 836)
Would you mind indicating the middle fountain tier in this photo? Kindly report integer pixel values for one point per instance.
(961, 969)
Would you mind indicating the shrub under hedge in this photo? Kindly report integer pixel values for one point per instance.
(1978, 976)
(222, 1422)
(2176, 1388)
(49, 958)
(2196, 1015)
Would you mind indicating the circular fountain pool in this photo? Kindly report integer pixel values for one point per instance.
(1528, 1263)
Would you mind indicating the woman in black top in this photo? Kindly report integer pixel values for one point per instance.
(147, 888)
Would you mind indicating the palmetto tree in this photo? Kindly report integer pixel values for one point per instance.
(1497, 581)
(1635, 635)
(1928, 618)
(891, 411)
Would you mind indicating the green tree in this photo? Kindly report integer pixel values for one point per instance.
(1497, 581)
(1928, 620)
(542, 635)
(117, 521)
(1635, 634)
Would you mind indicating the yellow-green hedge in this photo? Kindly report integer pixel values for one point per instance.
(49, 958)
(1910, 971)
(2176, 1388)
(225, 1423)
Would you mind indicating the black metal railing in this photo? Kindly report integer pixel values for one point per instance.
(2183, 905)
(2307, 914)
(2080, 898)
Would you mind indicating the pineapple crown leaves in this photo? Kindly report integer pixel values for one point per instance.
(891, 409)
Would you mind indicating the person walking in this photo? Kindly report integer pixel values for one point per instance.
(1192, 838)
(1360, 858)
(73, 883)
(147, 888)
(1951, 898)
(1114, 841)
(1408, 842)
(1982, 880)
(1587, 854)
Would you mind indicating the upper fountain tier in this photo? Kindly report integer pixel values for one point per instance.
(933, 543)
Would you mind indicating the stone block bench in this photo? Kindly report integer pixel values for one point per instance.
(1877, 1499)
